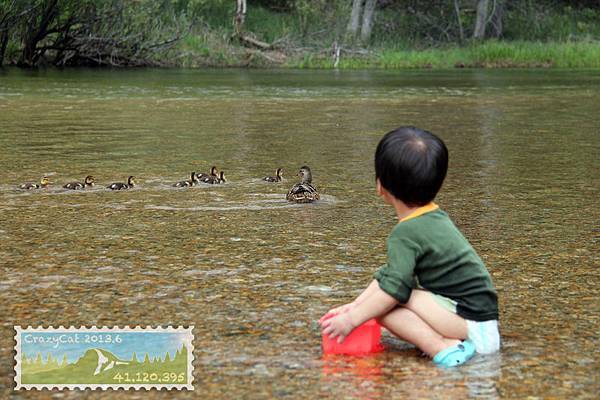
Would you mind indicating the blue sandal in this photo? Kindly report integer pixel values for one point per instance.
(455, 355)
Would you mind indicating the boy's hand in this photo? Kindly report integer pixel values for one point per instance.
(337, 310)
(338, 326)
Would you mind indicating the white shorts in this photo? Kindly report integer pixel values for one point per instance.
(484, 335)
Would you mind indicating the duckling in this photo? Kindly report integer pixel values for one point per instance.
(276, 178)
(123, 186)
(213, 174)
(44, 182)
(214, 180)
(87, 183)
(304, 191)
(193, 181)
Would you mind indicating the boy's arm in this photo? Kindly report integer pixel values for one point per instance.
(375, 305)
(373, 286)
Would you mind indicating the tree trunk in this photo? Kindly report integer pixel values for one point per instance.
(3, 44)
(240, 17)
(461, 31)
(497, 19)
(367, 24)
(481, 20)
(30, 55)
(354, 23)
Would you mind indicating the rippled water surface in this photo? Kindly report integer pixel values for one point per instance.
(254, 273)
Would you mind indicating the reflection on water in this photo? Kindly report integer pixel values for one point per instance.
(252, 272)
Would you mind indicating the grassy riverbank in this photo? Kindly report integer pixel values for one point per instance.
(484, 55)
(490, 54)
(559, 37)
(303, 34)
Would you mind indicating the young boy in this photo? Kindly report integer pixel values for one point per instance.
(434, 291)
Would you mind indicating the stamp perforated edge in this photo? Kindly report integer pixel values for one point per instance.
(104, 329)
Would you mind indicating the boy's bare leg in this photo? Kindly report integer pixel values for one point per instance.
(445, 322)
(426, 324)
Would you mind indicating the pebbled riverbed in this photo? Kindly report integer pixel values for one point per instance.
(254, 273)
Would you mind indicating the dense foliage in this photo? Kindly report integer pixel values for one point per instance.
(168, 32)
(96, 32)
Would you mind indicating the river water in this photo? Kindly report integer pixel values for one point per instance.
(253, 273)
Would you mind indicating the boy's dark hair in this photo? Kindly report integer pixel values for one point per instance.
(411, 164)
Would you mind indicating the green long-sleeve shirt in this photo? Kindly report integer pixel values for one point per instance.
(426, 249)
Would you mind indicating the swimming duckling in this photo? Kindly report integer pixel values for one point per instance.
(276, 178)
(213, 174)
(87, 183)
(123, 186)
(193, 181)
(214, 180)
(44, 182)
(304, 191)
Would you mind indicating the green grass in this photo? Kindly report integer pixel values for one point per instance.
(517, 54)
(491, 54)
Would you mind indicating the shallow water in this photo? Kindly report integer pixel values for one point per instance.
(254, 273)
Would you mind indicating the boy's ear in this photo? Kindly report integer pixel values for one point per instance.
(380, 188)
(383, 193)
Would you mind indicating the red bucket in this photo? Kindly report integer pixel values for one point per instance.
(364, 339)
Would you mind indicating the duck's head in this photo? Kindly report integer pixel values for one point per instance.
(213, 170)
(131, 181)
(278, 172)
(45, 181)
(305, 174)
(89, 180)
(222, 177)
(194, 177)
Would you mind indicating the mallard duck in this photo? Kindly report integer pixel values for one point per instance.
(213, 174)
(193, 181)
(87, 183)
(44, 182)
(276, 178)
(122, 186)
(304, 191)
(214, 180)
